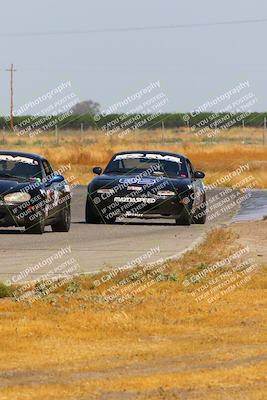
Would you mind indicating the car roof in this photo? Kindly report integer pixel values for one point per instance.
(21, 154)
(163, 153)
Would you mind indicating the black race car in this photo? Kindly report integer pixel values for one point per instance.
(147, 184)
(32, 194)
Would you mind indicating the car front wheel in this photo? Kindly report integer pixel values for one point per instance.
(64, 222)
(200, 214)
(90, 215)
(36, 227)
(185, 218)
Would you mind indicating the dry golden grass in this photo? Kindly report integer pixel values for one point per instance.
(161, 345)
(92, 148)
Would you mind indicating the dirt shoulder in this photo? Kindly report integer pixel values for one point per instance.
(254, 235)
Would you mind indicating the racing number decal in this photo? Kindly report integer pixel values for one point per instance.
(198, 196)
(56, 198)
(52, 200)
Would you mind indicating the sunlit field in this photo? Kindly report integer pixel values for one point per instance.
(216, 156)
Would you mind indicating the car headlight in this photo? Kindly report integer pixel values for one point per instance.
(18, 197)
(166, 193)
(105, 191)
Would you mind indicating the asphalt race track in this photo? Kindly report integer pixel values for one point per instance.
(94, 247)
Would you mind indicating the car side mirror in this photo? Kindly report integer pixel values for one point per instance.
(199, 175)
(55, 179)
(97, 170)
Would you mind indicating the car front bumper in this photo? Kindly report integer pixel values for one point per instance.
(121, 205)
(13, 215)
(9, 217)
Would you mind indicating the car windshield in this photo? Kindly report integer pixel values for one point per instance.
(24, 168)
(152, 164)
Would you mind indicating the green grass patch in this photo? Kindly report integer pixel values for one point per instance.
(5, 291)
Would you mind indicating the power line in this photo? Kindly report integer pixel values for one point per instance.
(134, 29)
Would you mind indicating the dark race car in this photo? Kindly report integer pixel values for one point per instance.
(32, 194)
(147, 184)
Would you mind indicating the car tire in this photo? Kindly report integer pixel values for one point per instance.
(184, 219)
(109, 221)
(200, 214)
(64, 222)
(37, 228)
(90, 215)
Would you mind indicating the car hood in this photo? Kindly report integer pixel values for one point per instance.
(110, 181)
(11, 185)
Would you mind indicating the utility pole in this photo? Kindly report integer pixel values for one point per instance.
(11, 70)
(56, 134)
(264, 130)
(3, 115)
(162, 131)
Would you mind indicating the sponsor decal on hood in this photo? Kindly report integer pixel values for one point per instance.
(140, 181)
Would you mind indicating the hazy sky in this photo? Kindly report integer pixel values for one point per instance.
(193, 65)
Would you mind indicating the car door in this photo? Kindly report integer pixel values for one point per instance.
(196, 186)
(52, 191)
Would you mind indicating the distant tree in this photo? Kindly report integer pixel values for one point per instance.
(86, 107)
